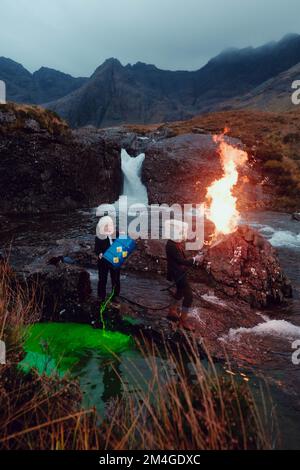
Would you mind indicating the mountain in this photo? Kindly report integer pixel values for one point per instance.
(235, 72)
(142, 93)
(273, 95)
(19, 83)
(134, 93)
(44, 85)
(51, 84)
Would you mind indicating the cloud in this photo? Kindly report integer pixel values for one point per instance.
(75, 36)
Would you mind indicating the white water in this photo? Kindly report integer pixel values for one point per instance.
(277, 328)
(285, 238)
(133, 188)
(213, 299)
(278, 237)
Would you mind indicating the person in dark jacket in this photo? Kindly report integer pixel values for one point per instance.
(178, 266)
(105, 236)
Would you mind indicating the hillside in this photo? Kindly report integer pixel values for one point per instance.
(272, 95)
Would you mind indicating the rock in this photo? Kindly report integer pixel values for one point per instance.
(44, 167)
(296, 216)
(188, 163)
(7, 117)
(62, 291)
(244, 265)
(150, 256)
(32, 125)
(179, 169)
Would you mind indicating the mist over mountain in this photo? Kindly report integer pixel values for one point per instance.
(142, 93)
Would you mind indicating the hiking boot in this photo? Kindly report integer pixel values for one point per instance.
(173, 313)
(116, 303)
(186, 322)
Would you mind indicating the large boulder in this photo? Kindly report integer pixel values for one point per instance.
(63, 291)
(44, 167)
(245, 265)
(242, 265)
(179, 169)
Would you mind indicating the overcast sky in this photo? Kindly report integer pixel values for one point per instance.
(75, 36)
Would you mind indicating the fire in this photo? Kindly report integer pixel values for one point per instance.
(222, 209)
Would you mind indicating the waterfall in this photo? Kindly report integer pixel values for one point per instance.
(133, 187)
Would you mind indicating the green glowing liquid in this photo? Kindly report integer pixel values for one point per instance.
(103, 308)
(58, 347)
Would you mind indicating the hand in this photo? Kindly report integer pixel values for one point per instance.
(198, 259)
(100, 255)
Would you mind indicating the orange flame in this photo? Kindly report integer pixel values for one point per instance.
(222, 209)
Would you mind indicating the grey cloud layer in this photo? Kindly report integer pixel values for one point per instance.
(75, 36)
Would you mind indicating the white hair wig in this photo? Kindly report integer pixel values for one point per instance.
(105, 227)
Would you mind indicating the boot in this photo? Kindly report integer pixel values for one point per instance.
(185, 322)
(116, 303)
(173, 313)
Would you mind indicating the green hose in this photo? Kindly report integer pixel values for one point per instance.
(104, 305)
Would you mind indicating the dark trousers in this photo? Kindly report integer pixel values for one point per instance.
(184, 291)
(103, 269)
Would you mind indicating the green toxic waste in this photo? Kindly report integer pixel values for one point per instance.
(55, 348)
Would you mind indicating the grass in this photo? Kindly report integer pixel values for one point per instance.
(45, 118)
(188, 407)
(180, 407)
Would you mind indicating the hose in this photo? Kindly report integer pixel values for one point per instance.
(144, 306)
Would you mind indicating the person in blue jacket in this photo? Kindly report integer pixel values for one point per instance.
(105, 236)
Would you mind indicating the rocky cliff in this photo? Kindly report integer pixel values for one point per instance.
(45, 167)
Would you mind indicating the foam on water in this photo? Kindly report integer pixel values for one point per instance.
(278, 238)
(285, 238)
(278, 328)
(211, 298)
(196, 313)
